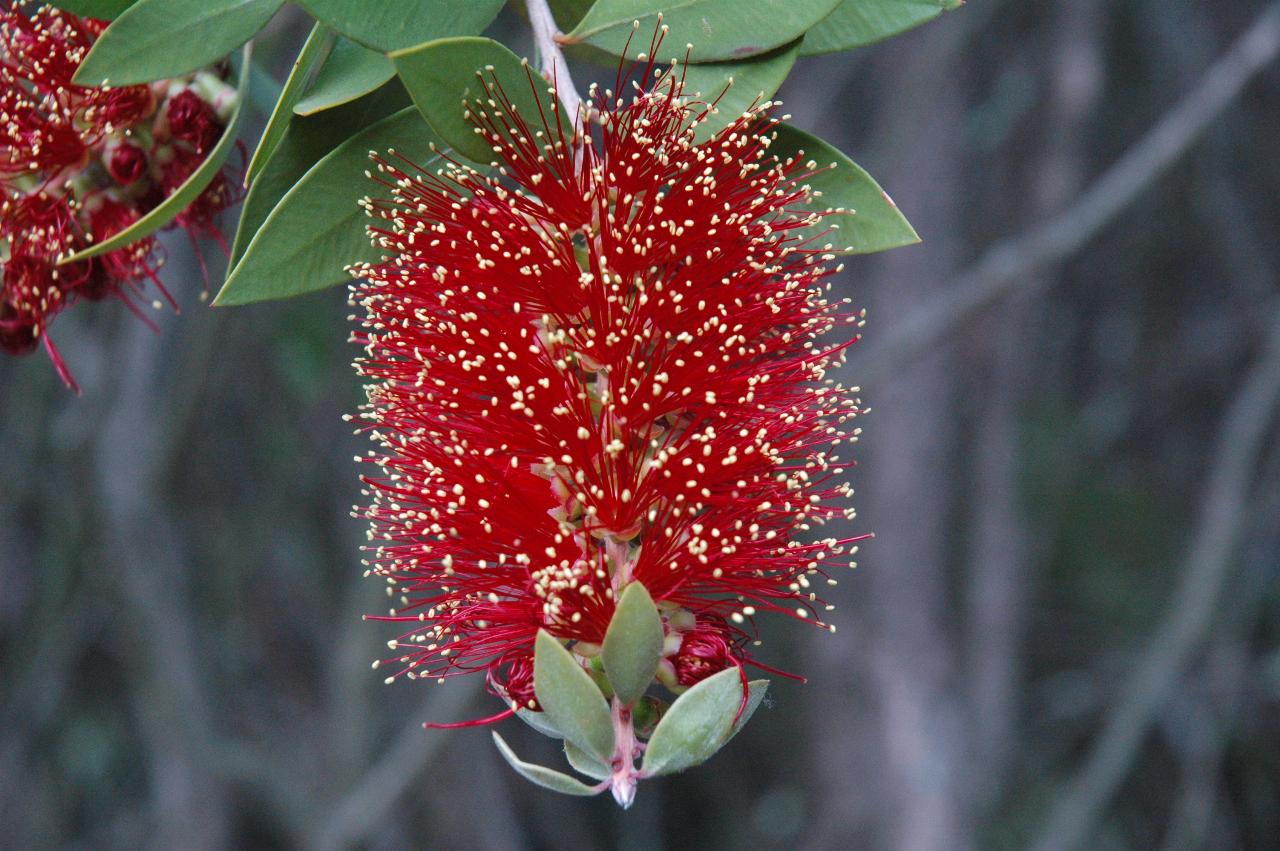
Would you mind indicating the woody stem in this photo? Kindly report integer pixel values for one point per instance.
(554, 65)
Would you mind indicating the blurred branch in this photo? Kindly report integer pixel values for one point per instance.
(375, 794)
(1222, 517)
(1008, 262)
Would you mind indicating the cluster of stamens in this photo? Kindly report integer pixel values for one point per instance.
(600, 362)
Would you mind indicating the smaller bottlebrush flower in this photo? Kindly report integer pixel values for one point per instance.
(126, 162)
(707, 649)
(598, 383)
(79, 164)
(193, 121)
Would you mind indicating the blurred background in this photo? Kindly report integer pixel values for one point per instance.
(1066, 632)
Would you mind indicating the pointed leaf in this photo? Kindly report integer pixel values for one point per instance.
(872, 223)
(310, 54)
(539, 722)
(440, 75)
(168, 209)
(154, 39)
(545, 777)
(394, 24)
(570, 699)
(633, 644)
(855, 23)
(317, 228)
(717, 29)
(350, 71)
(585, 763)
(699, 723)
(304, 142)
(103, 10)
(737, 85)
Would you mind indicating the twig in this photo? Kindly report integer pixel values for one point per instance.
(379, 790)
(1235, 460)
(545, 33)
(1009, 262)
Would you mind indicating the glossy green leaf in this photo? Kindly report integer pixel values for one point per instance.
(544, 777)
(700, 722)
(387, 25)
(310, 54)
(305, 141)
(155, 39)
(440, 75)
(737, 85)
(633, 644)
(168, 209)
(585, 763)
(870, 222)
(103, 10)
(352, 70)
(317, 229)
(539, 722)
(855, 23)
(717, 29)
(570, 699)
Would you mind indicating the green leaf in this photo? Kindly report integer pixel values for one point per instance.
(855, 23)
(750, 81)
(570, 699)
(155, 39)
(312, 50)
(585, 763)
(700, 722)
(316, 229)
(103, 10)
(188, 191)
(350, 71)
(440, 75)
(387, 25)
(305, 141)
(633, 644)
(872, 221)
(539, 722)
(717, 29)
(545, 777)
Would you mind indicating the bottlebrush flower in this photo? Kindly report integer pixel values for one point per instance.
(601, 364)
(79, 164)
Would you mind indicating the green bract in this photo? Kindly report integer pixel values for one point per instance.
(570, 700)
(633, 644)
(700, 722)
(545, 777)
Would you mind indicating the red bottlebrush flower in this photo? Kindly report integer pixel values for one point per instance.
(193, 121)
(602, 363)
(707, 649)
(126, 163)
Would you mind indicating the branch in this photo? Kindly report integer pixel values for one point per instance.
(379, 790)
(554, 66)
(1221, 519)
(1007, 263)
